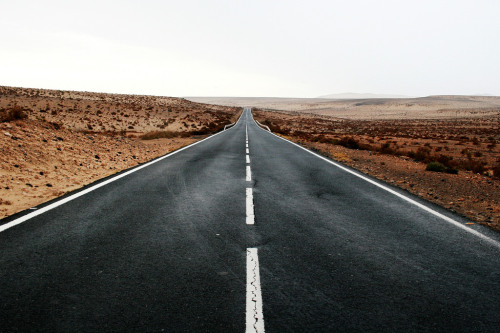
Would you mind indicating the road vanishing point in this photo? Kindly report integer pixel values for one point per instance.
(246, 232)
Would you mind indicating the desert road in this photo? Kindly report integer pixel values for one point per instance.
(245, 231)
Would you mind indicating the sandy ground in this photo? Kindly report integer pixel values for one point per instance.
(385, 146)
(53, 151)
(432, 107)
(98, 112)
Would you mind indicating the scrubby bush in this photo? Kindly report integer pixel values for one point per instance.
(159, 135)
(496, 171)
(435, 166)
(474, 165)
(14, 113)
(439, 167)
(386, 149)
(423, 154)
(323, 139)
(451, 170)
(349, 142)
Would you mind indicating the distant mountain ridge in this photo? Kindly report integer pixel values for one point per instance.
(362, 96)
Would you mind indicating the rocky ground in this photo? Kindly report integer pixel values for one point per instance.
(52, 143)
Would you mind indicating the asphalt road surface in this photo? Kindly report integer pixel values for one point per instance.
(234, 235)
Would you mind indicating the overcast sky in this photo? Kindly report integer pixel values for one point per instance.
(252, 48)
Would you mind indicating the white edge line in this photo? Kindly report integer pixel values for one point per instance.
(58, 203)
(254, 312)
(418, 204)
(267, 127)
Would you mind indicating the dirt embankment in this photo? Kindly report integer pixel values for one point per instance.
(399, 152)
(53, 142)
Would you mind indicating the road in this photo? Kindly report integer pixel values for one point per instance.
(221, 237)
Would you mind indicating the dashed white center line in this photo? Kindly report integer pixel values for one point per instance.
(254, 313)
(250, 212)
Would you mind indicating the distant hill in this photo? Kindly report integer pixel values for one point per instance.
(361, 96)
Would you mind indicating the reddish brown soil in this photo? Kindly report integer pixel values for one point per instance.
(127, 114)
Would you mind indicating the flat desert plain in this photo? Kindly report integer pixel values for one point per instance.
(431, 107)
(444, 149)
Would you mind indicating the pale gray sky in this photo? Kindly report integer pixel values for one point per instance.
(252, 48)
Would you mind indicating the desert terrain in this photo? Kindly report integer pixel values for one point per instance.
(431, 107)
(445, 150)
(53, 142)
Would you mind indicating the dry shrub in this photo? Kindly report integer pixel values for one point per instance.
(386, 149)
(12, 114)
(474, 165)
(5, 202)
(435, 166)
(439, 167)
(349, 142)
(55, 125)
(496, 171)
(423, 154)
(159, 135)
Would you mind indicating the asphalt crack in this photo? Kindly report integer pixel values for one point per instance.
(255, 318)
